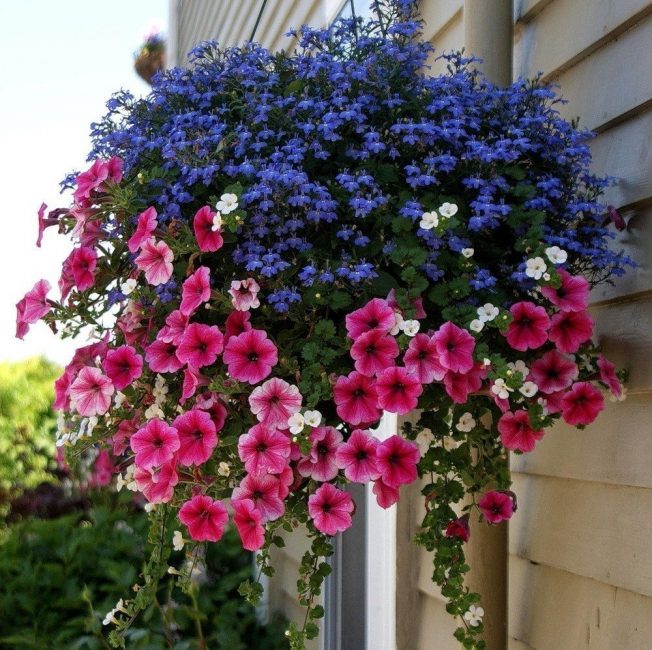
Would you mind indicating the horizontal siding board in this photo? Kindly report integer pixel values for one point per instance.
(555, 610)
(437, 15)
(594, 530)
(448, 40)
(526, 10)
(436, 627)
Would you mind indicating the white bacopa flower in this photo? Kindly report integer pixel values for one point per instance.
(110, 617)
(468, 252)
(476, 325)
(519, 366)
(119, 399)
(556, 255)
(177, 541)
(120, 482)
(154, 411)
(448, 209)
(424, 440)
(410, 327)
(466, 423)
(217, 222)
(429, 220)
(529, 389)
(546, 276)
(487, 312)
(398, 324)
(128, 286)
(223, 469)
(474, 615)
(486, 362)
(501, 389)
(535, 268)
(312, 418)
(227, 203)
(296, 422)
(174, 572)
(149, 507)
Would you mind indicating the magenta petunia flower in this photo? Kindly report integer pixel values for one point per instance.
(459, 386)
(609, 377)
(553, 372)
(155, 260)
(264, 450)
(192, 379)
(154, 444)
(330, 509)
(91, 392)
(244, 294)
(204, 518)
(62, 391)
(196, 290)
(248, 521)
(250, 356)
(45, 222)
(66, 280)
(90, 180)
(123, 433)
(200, 345)
(496, 506)
(357, 457)
(32, 307)
(459, 528)
(374, 351)
(375, 315)
(516, 432)
(455, 347)
(197, 437)
(572, 295)
(82, 266)
(264, 491)
(582, 403)
(397, 460)
(320, 464)
(356, 399)
(386, 496)
(274, 402)
(422, 359)
(145, 228)
(236, 323)
(569, 329)
(398, 390)
(157, 485)
(162, 357)
(208, 240)
(123, 366)
(529, 326)
(174, 328)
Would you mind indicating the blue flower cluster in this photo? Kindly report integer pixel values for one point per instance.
(334, 143)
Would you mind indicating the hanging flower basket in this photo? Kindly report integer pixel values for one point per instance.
(150, 58)
(275, 249)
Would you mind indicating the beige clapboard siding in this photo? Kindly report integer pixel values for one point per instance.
(438, 15)
(448, 39)
(527, 10)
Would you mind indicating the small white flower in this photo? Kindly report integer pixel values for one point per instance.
(223, 469)
(424, 439)
(476, 325)
(296, 422)
(519, 366)
(177, 541)
(149, 507)
(128, 286)
(448, 209)
(120, 482)
(535, 268)
(619, 398)
(466, 423)
(398, 324)
(311, 418)
(468, 252)
(501, 389)
(227, 203)
(217, 222)
(486, 362)
(154, 411)
(528, 389)
(474, 616)
(487, 312)
(556, 255)
(429, 220)
(410, 327)
(110, 617)
(119, 399)
(174, 572)
(546, 276)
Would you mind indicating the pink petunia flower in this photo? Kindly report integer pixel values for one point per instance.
(123, 433)
(386, 496)
(264, 450)
(200, 345)
(145, 228)
(62, 391)
(320, 463)
(356, 399)
(553, 372)
(529, 326)
(357, 457)
(244, 294)
(174, 328)
(582, 403)
(155, 260)
(459, 528)
(569, 329)
(455, 347)
(45, 222)
(66, 280)
(397, 460)
(204, 518)
(552, 401)
(609, 377)
(250, 356)
(90, 180)
(162, 357)
(374, 351)
(157, 485)
(82, 266)
(91, 392)
(516, 432)
(496, 506)
(330, 509)
(32, 307)
(375, 315)
(274, 402)
(422, 359)
(459, 385)
(123, 366)
(208, 240)
(236, 323)
(154, 444)
(572, 295)
(264, 491)
(248, 521)
(398, 390)
(196, 290)
(192, 379)
(197, 437)
(102, 471)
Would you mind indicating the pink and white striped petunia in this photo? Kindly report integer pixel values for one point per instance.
(155, 260)
(196, 290)
(145, 228)
(91, 392)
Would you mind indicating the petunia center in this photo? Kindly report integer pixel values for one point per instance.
(252, 356)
